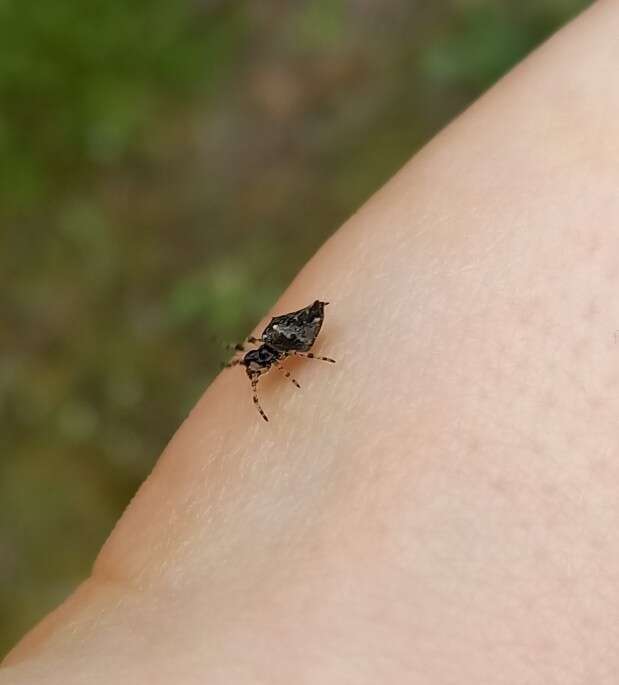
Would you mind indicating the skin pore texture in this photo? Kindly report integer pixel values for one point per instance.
(441, 506)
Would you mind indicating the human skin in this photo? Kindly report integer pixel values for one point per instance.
(441, 506)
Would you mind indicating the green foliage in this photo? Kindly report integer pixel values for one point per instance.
(79, 82)
(482, 40)
(222, 295)
(322, 25)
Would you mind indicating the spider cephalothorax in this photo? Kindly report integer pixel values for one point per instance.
(286, 335)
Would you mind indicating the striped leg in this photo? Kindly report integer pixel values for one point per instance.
(311, 355)
(287, 374)
(254, 385)
(240, 347)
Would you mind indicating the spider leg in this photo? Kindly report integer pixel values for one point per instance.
(311, 355)
(287, 374)
(254, 384)
(240, 347)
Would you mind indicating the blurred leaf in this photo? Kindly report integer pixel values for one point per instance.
(482, 45)
(484, 40)
(321, 25)
(79, 82)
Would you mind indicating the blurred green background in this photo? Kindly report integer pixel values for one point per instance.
(166, 168)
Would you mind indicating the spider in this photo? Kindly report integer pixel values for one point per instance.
(286, 335)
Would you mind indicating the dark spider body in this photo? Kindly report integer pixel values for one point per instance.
(286, 335)
(262, 357)
(297, 330)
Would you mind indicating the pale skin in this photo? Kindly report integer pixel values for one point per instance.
(442, 505)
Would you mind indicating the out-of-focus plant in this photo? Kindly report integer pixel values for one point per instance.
(480, 41)
(79, 82)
